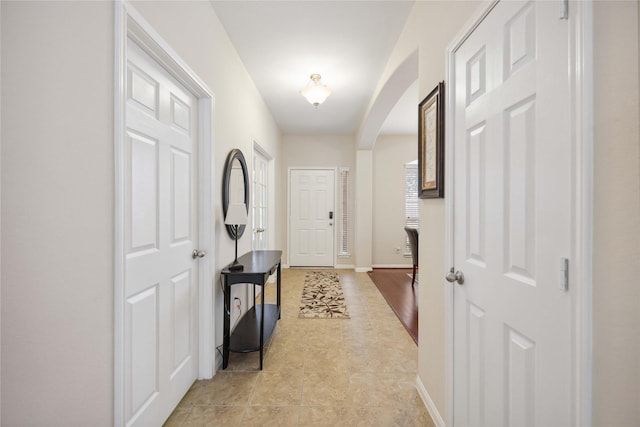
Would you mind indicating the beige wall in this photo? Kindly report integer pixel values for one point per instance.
(326, 151)
(57, 200)
(440, 22)
(390, 154)
(58, 192)
(616, 270)
(432, 26)
(364, 208)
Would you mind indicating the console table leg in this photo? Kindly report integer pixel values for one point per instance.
(278, 287)
(227, 325)
(261, 326)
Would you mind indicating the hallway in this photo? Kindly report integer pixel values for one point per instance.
(317, 372)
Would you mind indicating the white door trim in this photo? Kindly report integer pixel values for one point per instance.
(335, 192)
(129, 23)
(580, 282)
(270, 191)
(581, 45)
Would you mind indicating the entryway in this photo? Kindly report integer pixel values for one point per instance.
(311, 217)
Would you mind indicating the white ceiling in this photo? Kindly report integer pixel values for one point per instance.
(282, 43)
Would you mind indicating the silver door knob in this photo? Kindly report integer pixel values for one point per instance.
(259, 230)
(455, 277)
(197, 253)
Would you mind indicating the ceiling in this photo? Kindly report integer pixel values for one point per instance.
(282, 43)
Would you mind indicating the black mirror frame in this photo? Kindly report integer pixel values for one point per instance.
(233, 155)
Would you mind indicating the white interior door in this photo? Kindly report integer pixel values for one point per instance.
(161, 276)
(260, 213)
(312, 193)
(512, 219)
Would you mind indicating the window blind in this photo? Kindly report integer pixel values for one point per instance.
(343, 219)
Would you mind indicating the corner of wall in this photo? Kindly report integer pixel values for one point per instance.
(428, 402)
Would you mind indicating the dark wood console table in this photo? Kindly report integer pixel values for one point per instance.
(256, 326)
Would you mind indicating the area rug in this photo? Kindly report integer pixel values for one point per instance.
(322, 296)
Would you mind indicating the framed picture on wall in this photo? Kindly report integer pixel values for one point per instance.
(431, 145)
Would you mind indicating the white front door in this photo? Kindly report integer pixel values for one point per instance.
(312, 215)
(260, 198)
(161, 276)
(513, 361)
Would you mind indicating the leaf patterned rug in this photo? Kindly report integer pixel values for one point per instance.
(322, 296)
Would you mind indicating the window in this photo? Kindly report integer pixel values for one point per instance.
(410, 200)
(343, 218)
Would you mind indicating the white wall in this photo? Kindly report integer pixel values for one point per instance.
(390, 154)
(616, 294)
(330, 151)
(57, 192)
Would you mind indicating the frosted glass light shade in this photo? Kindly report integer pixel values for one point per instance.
(315, 92)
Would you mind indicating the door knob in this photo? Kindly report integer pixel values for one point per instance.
(197, 253)
(455, 277)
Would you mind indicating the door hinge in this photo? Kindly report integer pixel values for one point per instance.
(564, 9)
(564, 274)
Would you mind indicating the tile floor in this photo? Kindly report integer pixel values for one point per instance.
(317, 372)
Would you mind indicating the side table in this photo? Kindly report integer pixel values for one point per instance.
(257, 325)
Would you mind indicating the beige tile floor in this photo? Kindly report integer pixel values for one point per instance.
(317, 372)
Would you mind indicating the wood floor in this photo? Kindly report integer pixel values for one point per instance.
(395, 285)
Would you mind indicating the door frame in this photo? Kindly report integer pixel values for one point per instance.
(257, 148)
(129, 23)
(580, 19)
(335, 202)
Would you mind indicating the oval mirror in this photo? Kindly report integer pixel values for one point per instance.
(235, 187)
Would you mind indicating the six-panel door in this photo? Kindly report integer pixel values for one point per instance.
(160, 328)
(512, 210)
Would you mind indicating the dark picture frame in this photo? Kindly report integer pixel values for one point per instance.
(431, 145)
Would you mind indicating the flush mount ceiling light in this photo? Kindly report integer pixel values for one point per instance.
(315, 91)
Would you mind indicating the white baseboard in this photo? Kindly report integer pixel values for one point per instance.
(363, 269)
(345, 267)
(336, 267)
(217, 362)
(428, 402)
(393, 266)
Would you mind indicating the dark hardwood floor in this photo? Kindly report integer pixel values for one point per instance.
(395, 285)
